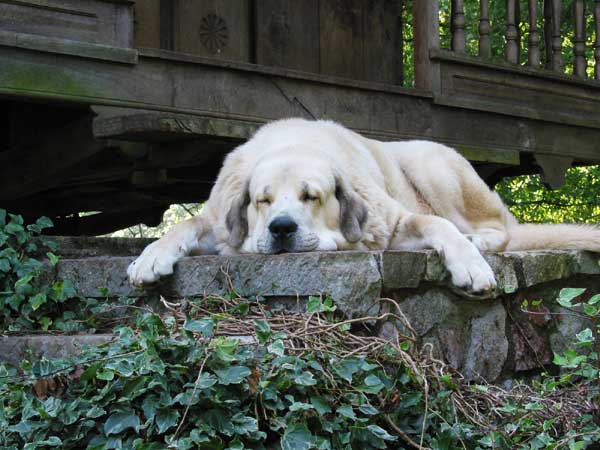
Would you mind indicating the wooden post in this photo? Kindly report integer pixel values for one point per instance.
(485, 48)
(167, 24)
(580, 63)
(512, 46)
(597, 41)
(426, 28)
(557, 61)
(458, 26)
(534, 36)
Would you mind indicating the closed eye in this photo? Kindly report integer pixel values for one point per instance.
(306, 197)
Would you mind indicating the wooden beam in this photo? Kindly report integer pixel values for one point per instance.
(258, 95)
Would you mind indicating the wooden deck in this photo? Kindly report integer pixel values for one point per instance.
(96, 123)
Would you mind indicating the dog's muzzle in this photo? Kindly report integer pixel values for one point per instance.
(283, 232)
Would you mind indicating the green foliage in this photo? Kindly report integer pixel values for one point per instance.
(576, 201)
(25, 301)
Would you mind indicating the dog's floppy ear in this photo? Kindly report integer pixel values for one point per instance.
(353, 211)
(237, 219)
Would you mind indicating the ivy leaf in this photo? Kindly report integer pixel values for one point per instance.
(381, 433)
(37, 300)
(121, 421)
(297, 437)
(566, 295)
(204, 326)
(346, 411)
(347, 368)
(320, 404)
(306, 379)
(166, 419)
(233, 374)
(262, 330)
(277, 348)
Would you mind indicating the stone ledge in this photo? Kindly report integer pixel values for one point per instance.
(352, 276)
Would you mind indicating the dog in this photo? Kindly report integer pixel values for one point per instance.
(299, 185)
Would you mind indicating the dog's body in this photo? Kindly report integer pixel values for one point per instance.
(301, 185)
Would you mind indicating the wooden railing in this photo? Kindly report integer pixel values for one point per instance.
(550, 13)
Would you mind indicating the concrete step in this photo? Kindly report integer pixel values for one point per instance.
(488, 337)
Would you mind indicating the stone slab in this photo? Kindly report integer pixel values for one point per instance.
(352, 278)
(14, 349)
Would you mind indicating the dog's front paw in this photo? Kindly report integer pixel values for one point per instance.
(156, 260)
(470, 271)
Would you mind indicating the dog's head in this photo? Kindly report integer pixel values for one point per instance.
(296, 201)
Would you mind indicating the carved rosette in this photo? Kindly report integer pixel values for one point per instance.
(213, 32)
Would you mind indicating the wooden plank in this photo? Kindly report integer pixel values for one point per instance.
(288, 34)
(154, 127)
(341, 38)
(92, 21)
(147, 23)
(255, 94)
(489, 87)
(68, 47)
(213, 28)
(383, 41)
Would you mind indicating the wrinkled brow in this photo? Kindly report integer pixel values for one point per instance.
(305, 189)
(267, 191)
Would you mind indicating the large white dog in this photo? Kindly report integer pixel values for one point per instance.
(301, 185)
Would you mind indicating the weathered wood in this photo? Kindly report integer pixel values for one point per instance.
(485, 46)
(458, 26)
(597, 40)
(382, 41)
(261, 94)
(288, 34)
(153, 127)
(579, 63)
(68, 47)
(557, 60)
(92, 21)
(341, 38)
(469, 82)
(533, 53)
(554, 168)
(147, 23)
(426, 31)
(168, 10)
(511, 34)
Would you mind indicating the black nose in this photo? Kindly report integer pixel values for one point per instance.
(283, 227)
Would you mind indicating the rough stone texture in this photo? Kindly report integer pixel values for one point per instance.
(14, 349)
(488, 338)
(85, 247)
(351, 276)
(568, 325)
(488, 347)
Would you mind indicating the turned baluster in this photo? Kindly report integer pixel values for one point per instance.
(597, 41)
(512, 34)
(557, 61)
(485, 46)
(534, 36)
(458, 26)
(579, 64)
